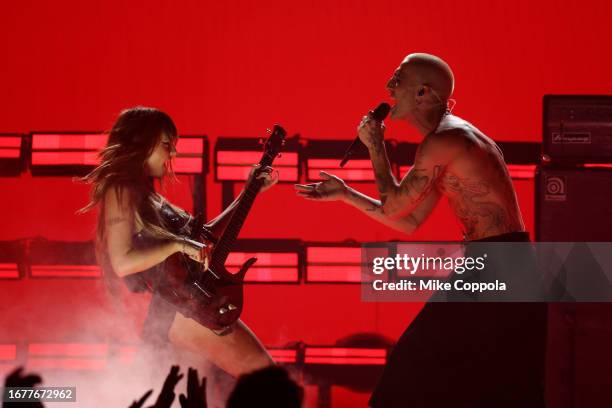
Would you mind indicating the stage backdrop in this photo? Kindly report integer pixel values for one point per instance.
(233, 68)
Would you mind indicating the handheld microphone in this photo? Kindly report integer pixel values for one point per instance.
(379, 114)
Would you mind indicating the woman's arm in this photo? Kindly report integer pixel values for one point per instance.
(119, 226)
(218, 224)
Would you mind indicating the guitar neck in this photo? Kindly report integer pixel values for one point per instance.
(239, 215)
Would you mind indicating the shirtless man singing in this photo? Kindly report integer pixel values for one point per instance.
(439, 361)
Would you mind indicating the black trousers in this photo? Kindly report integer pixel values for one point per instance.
(468, 354)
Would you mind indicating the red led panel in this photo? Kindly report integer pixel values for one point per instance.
(190, 145)
(604, 165)
(9, 271)
(283, 355)
(65, 271)
(522, 171)
(354, 170)
(270, 266)
(85, 364)
(67, 356)
(67, 350)
(190, 155)
(66, 149)
(236, 165)
(333, 264)
(340, 355)
(188, 165)
(8, 351)
(64, 158)
(10, 147)
(517, 171)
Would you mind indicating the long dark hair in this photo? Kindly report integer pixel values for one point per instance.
(131, 141)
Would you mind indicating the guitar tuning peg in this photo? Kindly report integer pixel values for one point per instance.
(268, 130)
(283, 142)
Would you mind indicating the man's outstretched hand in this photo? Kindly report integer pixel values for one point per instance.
(332, 188)
(196, 392)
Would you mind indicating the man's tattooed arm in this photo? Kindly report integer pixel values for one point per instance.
(374, 209)
(403, 198)
(385, 180)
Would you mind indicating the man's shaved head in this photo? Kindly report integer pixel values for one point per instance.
(427, 69)
(420, 86)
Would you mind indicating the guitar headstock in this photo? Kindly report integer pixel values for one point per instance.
(275, 141)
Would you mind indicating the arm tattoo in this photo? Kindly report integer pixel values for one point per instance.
(420, 183)
(383, 183)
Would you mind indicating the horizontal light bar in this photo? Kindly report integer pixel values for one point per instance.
(283, 355)
(77, 364)
(270, 266)
(522, 171)
(67, 149)
(65, 271)
(83, 141)
(9, 271)
(248, 158)
(82, 150)
(333, 264)
(190, 155)
(354, 170)
(10, 147)
(517, 171)
(68, 350)
(8, 352)
(241, 173)
(345, 356)
(236, 165)
(67, 356)
(593, 165)
(84, 158)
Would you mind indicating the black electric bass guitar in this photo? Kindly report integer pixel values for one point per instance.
(214, 297)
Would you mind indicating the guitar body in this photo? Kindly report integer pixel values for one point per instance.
(213, 296)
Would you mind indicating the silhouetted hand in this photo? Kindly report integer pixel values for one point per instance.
(196, 393)
(15, 379)
(141, 401)
(166, 396)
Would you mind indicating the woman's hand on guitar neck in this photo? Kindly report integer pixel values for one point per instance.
(268, 174)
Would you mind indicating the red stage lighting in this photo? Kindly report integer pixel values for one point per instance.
(333, 263)
(270, 266)
(345, 356)
(67, 356)
(327, 154)
(12, 160)
(278, 261)
(235, 157)
(70, 154)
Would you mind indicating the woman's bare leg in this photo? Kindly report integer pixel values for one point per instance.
(236, 353)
